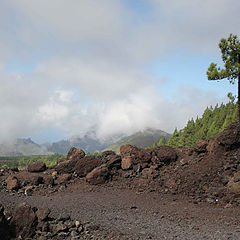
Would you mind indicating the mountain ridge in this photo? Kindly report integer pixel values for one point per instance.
(89, 143)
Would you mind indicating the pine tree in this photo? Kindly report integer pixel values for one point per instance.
(230, 49)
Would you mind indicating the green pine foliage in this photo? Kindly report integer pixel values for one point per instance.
(213, 121)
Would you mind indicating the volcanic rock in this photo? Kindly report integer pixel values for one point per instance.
(61, 160)
(128, 150)
(165, 154)
(29, 178)
(114, 162)
(126, 163)
(36, 167)
(75, 154)
(201, 146)
(67, 166)
(106, 156)
(12, 183)
(23, 222)
(230, 138)
(42, 213)
(98, 175)
(86, 165)
(234, 183)
(63, 178)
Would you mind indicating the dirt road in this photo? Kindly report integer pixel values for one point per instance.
(133, 215)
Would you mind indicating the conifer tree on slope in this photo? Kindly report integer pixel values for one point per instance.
(230, 49)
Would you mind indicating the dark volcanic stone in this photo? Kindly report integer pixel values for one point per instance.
(98, 175)
(165, 154)
(66, 166)
(86, 165)
(37, 167)
(23, 222)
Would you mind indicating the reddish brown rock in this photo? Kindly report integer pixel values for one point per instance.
(128, 150)
(230, 138)
(23, 222)
(212, 145)
(75, 154)
(98, 175)
(66, 166)
(114, 162)
(86, 165)
(37, 167)
(47, 179)
(165, 154)
(61, 160)
(149, 173)
(12, 183)
(42, 213)
(126, 163)
(107, 156)
(234, 183)
(201, 146)
(63, 178)
(145, 155)
(28, 178)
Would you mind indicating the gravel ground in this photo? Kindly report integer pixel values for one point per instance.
(133, 215)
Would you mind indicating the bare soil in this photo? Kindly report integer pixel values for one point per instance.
(121, 211)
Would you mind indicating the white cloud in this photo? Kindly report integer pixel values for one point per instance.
(91, 59)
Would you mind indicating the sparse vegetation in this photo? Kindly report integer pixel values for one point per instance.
(21, 161)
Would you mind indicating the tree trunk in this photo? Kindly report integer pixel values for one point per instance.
(239, 97)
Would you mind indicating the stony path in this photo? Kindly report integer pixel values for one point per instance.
(148, 215)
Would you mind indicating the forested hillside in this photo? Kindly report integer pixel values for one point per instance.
(213, 121)
(21, 161)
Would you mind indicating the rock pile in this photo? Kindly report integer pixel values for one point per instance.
(36, 223)
(209, 170)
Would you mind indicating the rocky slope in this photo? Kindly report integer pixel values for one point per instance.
(209, 173)
(89, 143)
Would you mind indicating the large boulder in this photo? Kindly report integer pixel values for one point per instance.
(107, 156)
(23, 222)
(164, 155)
(114, 162)
(86, 165)
(128, 149)
(64, 178)
(12, 183)
(129, 155)
(4, 230)
(28, 178)
(75, 154)
(145, 157)
(36, 167)
(67, 166)
(127, 162)
(230, 138)
(98, 175)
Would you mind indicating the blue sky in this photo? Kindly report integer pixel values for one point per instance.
(116, 66)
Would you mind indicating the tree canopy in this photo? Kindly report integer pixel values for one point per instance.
(213, 121)
(230, 49)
